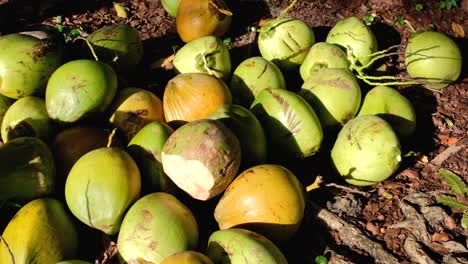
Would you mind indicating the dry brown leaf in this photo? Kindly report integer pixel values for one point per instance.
(458, 29)
(440, 236)
(452, 141)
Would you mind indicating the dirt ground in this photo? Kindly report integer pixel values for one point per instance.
(395, 221)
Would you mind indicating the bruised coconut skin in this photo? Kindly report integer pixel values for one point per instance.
(133, 108)
(156, 226)
(253, 75)
(289, 122)
(334, 94)
(393, 107)
(352, 33)
(202, 157)
(367, 151)
(241, 246)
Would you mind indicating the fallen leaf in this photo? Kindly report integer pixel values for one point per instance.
(458, 29)
(440, 236)
(121, 10)
(452, 141)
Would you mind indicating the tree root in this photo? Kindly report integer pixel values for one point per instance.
(352, 235)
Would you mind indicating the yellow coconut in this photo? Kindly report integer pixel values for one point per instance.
(134, 108)
(187, 257)
(267, 199)
(193, 96)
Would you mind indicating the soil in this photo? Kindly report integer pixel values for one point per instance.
(399, 217)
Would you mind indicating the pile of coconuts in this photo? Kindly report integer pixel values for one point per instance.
(78, 146)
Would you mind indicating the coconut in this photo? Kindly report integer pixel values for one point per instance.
(192, 96)
(155, 227)
(267, 199)
(80, 88)
(390, 105)
(71, 144)
(285, 41)
(290, 123)
(5, 103)
(434, 58)
(253, 75)
(323, 55)
(366, 151)
(202, 158)
(101, 186)
(145, 148)
(334, 94)
(27, 63)
(133, 108)
(206, 55)
(248, 130)
(199, 18)
(354, 37)
(171, 6)
(187, 257)
(242, 246)
(119, 45)
(27, 117)
(27, 170)
(41, 232)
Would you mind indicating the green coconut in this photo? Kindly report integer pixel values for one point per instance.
(202, 157)
(354, 37)
(390, 105)
(434, 58)
(26, 63)
(73, 261)
(42, 232)
(253, 75)
(334, 94)
(145, 148)
(248, 130)
(204, 55)
(323, 55)
(367, 151)
(27, 169)
(187, 257)
(119, 45)
(155, 227)
(27, 117)
(285, 41)
(80, 88)
(171, 6)
(292, 127)
(5, 103)
(241, 246)
(101, 186)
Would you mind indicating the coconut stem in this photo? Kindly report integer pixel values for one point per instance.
(379, 55)
(286, 10)
(90, 46)
(111, 137)
(9, 250)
